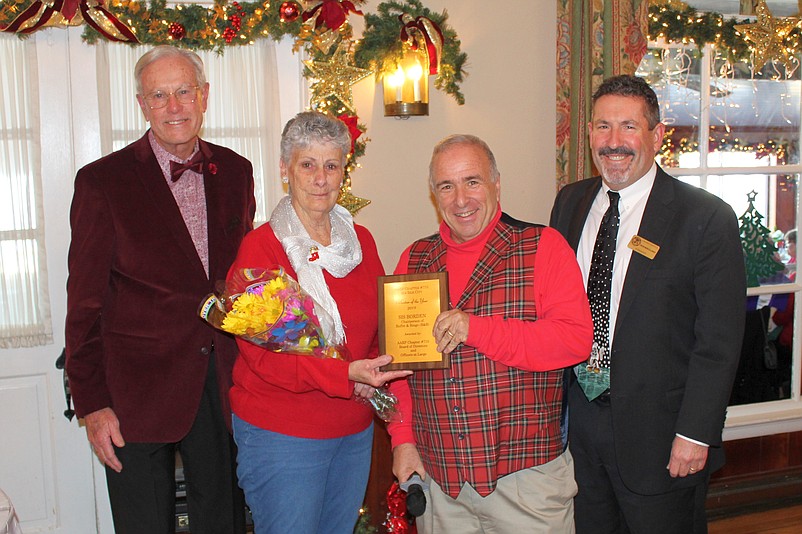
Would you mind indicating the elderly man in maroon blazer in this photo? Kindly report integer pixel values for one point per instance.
(154, 225)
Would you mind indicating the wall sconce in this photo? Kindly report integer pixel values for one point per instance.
(406, 90)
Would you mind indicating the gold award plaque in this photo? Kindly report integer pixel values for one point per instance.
(408, 307)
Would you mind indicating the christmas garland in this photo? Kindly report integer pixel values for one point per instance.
(197, 27)
(676, 22)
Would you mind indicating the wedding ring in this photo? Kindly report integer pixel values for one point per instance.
(449, 333)
(691, 469)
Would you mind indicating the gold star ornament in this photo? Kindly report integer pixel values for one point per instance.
(768, 35)
(335, 78)
(351, 202)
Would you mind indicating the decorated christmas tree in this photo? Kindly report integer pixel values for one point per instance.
(760, 253)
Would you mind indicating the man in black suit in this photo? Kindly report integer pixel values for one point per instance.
(664, 360)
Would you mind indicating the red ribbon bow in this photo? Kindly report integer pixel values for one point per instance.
(421, 28)
(40, 13)
(332, 13)
(194, 164)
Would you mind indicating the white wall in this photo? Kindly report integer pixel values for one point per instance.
(509, 102)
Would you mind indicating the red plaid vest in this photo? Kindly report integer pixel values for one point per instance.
(480, 420)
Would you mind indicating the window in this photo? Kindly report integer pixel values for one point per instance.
(243, 112)
(736, 134)
(24, 305)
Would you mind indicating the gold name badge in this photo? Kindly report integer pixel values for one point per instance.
(643, 247)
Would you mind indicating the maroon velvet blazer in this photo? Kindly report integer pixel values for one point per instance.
(134, 339)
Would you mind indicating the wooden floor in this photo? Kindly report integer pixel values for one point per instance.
(779, 521)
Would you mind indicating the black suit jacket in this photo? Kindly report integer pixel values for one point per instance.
(135, 342)
(677, 337)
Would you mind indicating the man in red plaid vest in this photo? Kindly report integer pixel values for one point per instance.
(486, 431)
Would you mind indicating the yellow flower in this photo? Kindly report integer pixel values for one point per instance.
(252, 314)
(274, 286)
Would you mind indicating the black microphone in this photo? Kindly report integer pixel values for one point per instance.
(416, 499)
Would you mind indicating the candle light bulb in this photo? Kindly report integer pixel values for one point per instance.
(414, 73)
(398, 82)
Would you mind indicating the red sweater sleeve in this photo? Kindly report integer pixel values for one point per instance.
(563, 333)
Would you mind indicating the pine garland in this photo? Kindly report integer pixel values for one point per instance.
(224, 24)
(676, 22)
(381, 48)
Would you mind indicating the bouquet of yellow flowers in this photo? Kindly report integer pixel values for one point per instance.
(268, 308)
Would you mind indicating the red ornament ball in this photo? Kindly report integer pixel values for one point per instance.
(177, 31)
(229, 34)
(236, 22)
(289, 11)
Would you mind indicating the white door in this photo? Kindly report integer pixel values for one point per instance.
(46, 466)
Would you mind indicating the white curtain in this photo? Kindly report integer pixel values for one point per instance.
(24, 301)
(243, 112)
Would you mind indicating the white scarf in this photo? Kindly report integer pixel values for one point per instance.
(338, 259)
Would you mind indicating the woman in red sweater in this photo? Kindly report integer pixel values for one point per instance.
(304, 445)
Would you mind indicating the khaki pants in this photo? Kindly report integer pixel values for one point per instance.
(535, 500)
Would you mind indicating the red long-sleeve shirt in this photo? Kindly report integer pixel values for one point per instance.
(560, 337)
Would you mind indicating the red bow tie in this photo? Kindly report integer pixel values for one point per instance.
(195, 164)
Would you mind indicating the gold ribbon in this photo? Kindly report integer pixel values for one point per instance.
(422, 32)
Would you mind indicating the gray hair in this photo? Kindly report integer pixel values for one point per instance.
(634, 86)
(309, 127)
(463, 139)
(164, 51)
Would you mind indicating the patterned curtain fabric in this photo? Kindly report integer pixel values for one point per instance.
(596, 39)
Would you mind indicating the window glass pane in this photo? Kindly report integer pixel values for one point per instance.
(17, 202)
(766, 376)
(756, 114)
(22, 316)
(750, 125)
(735, 190)
(766, 207)
(675, 75)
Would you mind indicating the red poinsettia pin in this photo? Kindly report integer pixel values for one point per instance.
(353, 128)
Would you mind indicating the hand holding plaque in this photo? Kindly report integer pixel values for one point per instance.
(408, 307)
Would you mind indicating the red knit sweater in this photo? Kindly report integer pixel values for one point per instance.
(304, 396)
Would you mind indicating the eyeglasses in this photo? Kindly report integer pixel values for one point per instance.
(159, 99)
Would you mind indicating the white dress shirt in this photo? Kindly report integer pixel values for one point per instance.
(630, 207)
